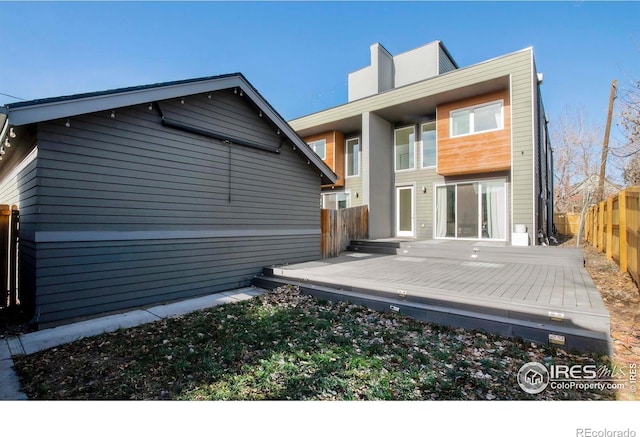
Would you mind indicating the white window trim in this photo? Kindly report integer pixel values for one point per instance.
(347, 193)
(400, 234)
(415, 143)
(471, 118)
(422, 146)
(346, 162)
(314, 150)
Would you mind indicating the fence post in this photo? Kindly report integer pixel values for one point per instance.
(591, 239)
(609, 247)
(601, 210)
(622, 230)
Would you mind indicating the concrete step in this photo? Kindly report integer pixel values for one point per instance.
(535, 325)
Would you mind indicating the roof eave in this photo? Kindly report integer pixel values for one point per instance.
(328, 176)
(54, 109)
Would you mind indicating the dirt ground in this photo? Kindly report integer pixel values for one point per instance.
(622, 298)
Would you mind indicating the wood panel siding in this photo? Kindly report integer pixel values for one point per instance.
(334, 155)
(338, 150)
(131, 212)
(475, 153)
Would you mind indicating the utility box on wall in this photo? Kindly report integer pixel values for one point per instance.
(520, 237)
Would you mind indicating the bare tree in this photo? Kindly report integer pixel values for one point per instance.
(628, 102)
(577, 147)
(629, 116)
(631, 172)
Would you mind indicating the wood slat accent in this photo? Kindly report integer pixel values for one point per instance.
(477, 153)
(334, 157)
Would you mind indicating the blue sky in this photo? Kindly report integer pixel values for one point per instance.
(298, 54)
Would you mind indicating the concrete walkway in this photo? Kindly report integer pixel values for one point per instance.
(40, 340)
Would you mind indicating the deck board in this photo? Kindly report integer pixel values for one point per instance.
(528, 283)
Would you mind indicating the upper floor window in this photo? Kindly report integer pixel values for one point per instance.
(353, 157)
(405, 148)
(429, 145)
(320, 147)
(479, 118)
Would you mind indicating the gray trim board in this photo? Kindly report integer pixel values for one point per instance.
(86, 236)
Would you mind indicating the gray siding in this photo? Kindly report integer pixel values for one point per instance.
(79, 278)
(377, 163)
(445, 63)
(17, 187)
(423, 201)
(131, 212)
(354, 185)
(522, 171)
(544, 172)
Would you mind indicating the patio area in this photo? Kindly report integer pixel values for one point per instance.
(542, 294)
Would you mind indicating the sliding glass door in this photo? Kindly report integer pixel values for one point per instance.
(471, 210)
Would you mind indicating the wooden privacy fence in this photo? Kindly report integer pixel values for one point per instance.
(613, 226)
(9, 218)
(340, 226)
(567, 223)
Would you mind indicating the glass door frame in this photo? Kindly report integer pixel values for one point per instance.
(480, 204)
(400, 233)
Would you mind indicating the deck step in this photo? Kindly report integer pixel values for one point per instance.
(477, 251)
(531, 327)
(519, 255)
(379, 247)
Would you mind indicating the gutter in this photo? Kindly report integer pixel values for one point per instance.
(217, 135)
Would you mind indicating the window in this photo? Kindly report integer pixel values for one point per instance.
(476, 210)
(353, 157)
(405, 148)
(480, 118)
(429, 145)
(320, 147)
(335, 200)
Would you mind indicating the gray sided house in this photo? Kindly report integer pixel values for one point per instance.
(149, 194)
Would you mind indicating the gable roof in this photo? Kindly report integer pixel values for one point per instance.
(39, 110)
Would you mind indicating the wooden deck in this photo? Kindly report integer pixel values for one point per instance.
(542, 294)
